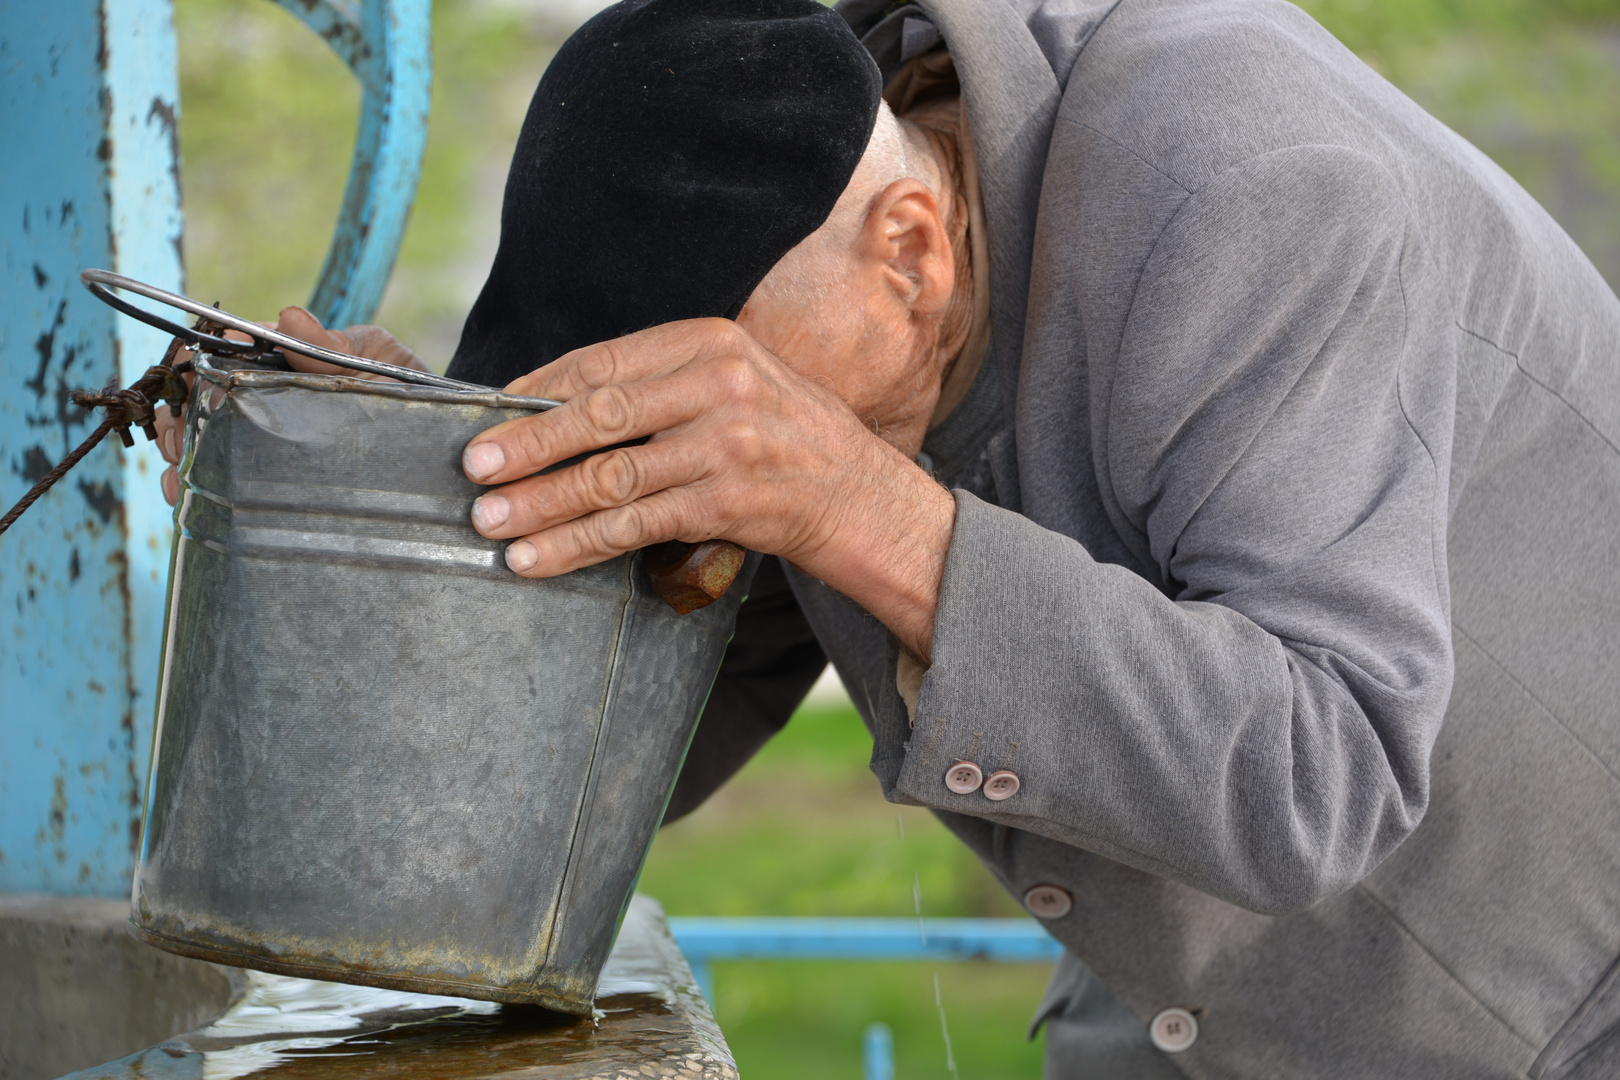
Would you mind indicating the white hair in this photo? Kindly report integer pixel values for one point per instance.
(808, 274)
(889, 156)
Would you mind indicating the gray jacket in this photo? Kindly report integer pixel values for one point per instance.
(1285, 567)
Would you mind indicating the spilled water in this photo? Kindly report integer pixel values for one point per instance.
(279, 1018)
(293, 1029)
(922, 932)
(944, 1029)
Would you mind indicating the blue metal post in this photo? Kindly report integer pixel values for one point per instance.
(388, 45)
(705, 939)
(89, 105)
(704, 974)
(877, 1052)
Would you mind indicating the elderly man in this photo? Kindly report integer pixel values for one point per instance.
(1199, 463)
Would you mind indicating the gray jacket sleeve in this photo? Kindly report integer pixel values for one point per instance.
(1257, 721)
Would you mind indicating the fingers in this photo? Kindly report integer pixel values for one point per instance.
(600, 482)
(644, 355)
(615, 413)
(168, 434)
(298, 323)
(171, 485)
(237, 335)
(168, 440)
(375, 343)
(603, 535)
(371, 342)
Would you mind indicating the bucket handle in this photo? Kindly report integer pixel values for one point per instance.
(102, 282)
(686, 576)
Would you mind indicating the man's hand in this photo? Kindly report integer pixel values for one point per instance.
(371, 342)
(738, 446)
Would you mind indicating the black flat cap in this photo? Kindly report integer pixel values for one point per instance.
(674, 151)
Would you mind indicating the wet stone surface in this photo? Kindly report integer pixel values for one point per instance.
(651, 1023)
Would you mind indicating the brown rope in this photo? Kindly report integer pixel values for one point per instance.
(126, 408)
(56, 474)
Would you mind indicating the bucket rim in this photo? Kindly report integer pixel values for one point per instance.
(246, 378)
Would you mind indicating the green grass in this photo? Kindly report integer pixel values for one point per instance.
(268, 120)
(803, 1021)
(803, 830)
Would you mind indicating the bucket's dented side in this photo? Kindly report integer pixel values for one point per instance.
(380, 756)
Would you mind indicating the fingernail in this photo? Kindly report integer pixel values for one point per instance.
(491, 512)
(521, 555)
(483, 459)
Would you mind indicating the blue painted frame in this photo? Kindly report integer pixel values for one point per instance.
(705, 939)
(388, 46)
(90, 103)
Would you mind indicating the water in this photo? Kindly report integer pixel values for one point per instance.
(916, 902)
(922, 930)
(297, 1028)
(649, 1024)
(279, 1020)
(945, 1030)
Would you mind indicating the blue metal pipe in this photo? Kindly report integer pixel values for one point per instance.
(388, 46)
(90, 99)
(89, 106)
(877, 1052)
(705, 939)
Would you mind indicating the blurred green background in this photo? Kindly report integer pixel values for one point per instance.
(267, 125)
(803, 830)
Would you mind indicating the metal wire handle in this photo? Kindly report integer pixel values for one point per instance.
(97, 281)
(686, 576)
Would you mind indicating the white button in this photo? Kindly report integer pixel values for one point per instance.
(963, 778)
(1173, 1030)
(999, 785)
(1048, 902)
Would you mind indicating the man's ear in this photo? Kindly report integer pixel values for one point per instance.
(904, 243)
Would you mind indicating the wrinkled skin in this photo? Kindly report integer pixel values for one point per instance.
(790, 431)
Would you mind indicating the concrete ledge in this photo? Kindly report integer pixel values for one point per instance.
(650, 1024)
(76, 989)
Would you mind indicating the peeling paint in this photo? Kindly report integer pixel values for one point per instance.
(45, 349)
(35, 464)
(102, 498)
(97, 191)
(59, 806)
(164, 113)
(93, 95)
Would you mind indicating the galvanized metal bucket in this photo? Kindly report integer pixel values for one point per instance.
(381, 757)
